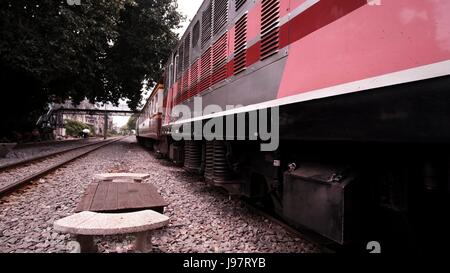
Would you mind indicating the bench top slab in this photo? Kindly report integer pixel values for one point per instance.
(109, 176)
(121, 197)
(93, 223)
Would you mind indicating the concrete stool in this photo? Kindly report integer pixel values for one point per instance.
(88, 224)
(122, 177)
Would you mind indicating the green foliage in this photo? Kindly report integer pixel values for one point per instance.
(131, 124)
(113, 132)
(75, 128)
(101, 50)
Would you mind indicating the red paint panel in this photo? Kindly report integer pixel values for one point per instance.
(231, 34)
(284, 36)
(369, 42)
(320, 15)
(253, 54)
(230, 68)
(284, 7)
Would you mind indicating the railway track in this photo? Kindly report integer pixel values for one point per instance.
(47, 143)
(14, 164)
(18, 174)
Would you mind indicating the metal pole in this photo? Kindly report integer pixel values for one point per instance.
(105, 125)
(60, 123)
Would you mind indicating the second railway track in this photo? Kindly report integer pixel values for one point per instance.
(43, 155)
(18, 174)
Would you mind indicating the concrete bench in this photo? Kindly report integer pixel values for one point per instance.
(88, 224)
(122, 177)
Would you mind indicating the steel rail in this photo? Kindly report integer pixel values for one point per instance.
(26, 180)
(25, 145)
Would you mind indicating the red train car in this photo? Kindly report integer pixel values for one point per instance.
(148, 124)
(362, 95)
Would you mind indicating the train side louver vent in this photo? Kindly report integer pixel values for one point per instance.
(240, 45)
(194, 79)
(220, 15)
(195, 35)
(180, 62)
(270, 25)
(220, 59)
(178, 93)
(185, 85)
(187, 43)
(239, 4)
(205, 68)
(206, 25)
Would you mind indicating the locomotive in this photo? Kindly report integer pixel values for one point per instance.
(361, 90)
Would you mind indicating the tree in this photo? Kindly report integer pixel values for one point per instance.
(75, 128)
(101, 50)
(144, 41)
(131, 124)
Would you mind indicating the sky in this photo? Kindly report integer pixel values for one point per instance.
(186, 7)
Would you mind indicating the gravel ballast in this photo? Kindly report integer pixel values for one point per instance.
(202, 218)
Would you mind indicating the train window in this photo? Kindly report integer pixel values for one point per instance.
(206, 24)
(220, 15)
(195, 34)
(239, 4)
